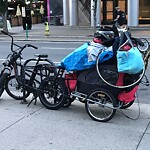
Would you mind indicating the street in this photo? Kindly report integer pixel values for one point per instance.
(55, 50)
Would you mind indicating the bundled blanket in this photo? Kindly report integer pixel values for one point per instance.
(85, 56)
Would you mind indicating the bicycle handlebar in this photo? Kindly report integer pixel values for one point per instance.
(29, 45)
(6, 33)
(12, 43)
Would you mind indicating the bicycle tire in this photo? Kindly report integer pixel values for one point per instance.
(47, 63)
(53, 93)
(146, 58)
(14, 89)
(145, 46)
(118, 86)
(3, 79)
(100, 105)
(127, 105)
(44, 68)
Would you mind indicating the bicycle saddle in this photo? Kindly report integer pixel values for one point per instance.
(41, 55)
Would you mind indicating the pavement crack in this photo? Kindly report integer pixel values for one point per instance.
(143, 135)
(20, 120)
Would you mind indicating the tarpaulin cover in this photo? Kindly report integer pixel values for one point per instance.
(78, 59)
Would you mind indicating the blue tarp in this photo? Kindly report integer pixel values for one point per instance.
(78, 59)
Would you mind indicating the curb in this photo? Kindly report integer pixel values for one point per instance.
(53, 40)
(77, 39)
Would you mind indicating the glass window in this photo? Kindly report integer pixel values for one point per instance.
(144, 9)
(110, 10)
(122, 4)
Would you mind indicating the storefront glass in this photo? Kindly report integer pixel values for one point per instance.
(108, 12)
(144, 11)
(122, 5)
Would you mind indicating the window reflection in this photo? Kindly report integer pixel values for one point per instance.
(107, 10)
(144, 9)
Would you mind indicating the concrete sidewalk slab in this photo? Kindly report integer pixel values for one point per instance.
(37, 128)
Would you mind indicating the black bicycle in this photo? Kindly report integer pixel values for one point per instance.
(9, 63)
(141, 43)
(27, 76)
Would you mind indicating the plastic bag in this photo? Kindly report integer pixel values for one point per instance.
(130, 62)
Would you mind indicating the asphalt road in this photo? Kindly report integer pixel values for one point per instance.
(56, 52)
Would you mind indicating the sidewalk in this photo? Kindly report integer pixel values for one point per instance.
(67, 33)
(37, 128)
(57, 33)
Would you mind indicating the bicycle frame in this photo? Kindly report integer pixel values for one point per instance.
(13, 62)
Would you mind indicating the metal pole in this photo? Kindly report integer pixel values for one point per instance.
(27, 36)
(98, 13)
(92, 13)
(133, 13)
(66, 12)
(48, 11)
(73, 12)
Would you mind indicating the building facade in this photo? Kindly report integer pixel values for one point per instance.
(81, 11)
(38, 9)
(78, 12)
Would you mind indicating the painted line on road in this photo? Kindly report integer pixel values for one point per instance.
(56, 48)
(52, 42)
(23, 60)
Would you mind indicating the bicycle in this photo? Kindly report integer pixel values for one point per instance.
(141, 43)
(8, 64)
(27, 77)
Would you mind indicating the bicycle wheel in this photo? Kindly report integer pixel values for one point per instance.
(46, 64)
(53, 93)
(3, 79)
(43, 69)
(145, 45)
(14, 89)
(146, 58)
(100, 105)
(126, 105)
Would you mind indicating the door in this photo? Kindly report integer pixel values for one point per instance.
(144, 12)
(107, 11)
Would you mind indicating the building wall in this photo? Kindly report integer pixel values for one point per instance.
(84, 14)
